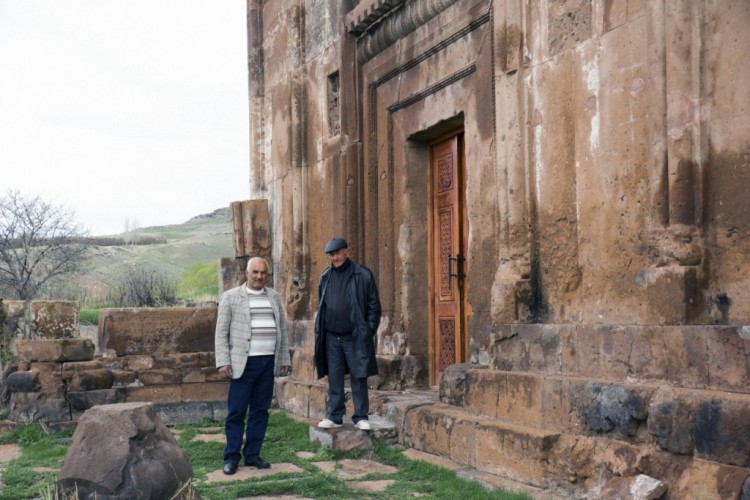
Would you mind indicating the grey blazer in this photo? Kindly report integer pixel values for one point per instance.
(233, 330)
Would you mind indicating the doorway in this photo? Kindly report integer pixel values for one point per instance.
(447, 264)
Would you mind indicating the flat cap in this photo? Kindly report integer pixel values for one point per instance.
(335, 244)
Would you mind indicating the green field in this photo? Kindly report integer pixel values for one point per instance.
(186, 257)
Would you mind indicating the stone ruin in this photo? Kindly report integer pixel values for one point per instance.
(163, 356)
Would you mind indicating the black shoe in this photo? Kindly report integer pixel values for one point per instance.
(258, 463)
(229, 468)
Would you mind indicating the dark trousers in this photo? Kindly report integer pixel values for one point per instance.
(250, 395)
(340, 354)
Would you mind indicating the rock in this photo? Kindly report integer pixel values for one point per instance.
(640, 487)
(123, 451)
(346, 438)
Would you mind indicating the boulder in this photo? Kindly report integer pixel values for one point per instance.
(123, 451)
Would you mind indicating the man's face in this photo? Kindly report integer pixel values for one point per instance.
(338, 257)
(257, 272)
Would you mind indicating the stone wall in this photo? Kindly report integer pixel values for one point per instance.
(163, 355)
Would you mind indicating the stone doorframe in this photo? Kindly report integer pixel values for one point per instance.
(398, 126)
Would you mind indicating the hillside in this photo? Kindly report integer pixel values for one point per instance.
(201, 240)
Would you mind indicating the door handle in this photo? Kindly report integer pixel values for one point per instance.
(459, 261)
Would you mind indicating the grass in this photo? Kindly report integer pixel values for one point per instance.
(284, 440)
(32, 475)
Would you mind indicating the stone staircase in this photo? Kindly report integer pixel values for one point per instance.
(585, 412)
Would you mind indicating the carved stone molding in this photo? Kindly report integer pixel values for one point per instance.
(368, 13)
(393, 24)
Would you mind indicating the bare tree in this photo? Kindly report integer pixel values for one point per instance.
(38, 241)
(143, 287)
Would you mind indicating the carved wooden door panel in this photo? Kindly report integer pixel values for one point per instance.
(447, 342)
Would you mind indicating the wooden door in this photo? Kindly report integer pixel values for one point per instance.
(447, 336)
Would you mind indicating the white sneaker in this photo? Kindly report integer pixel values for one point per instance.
(363, 425)
(328, 424)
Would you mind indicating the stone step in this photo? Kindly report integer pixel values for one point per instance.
(517, 452)
(573, 404)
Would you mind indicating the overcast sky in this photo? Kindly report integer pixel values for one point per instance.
(125, 110)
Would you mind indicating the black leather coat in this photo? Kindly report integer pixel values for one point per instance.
(364, 307)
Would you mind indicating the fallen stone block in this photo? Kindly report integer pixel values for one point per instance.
(123, 451)
(640, 487)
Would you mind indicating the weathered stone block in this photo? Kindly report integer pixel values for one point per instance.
(165, 362)
(428, 428)
(346, 438)
(55, 319)
(713, 440)
(113, 362)
(390, 375)
(558, 396)
(294, 396)
(520, 453)
(670, 421)
(668, 293)
(463, 441)
(44, 367)
(513, 396)
(26, 381)
(192, 359)
(80, 366)
(160, 393)
(209, 391)
(705, 479)
(614, 409)
(303, 366)
(192, 375)
(158, 331)
(727, 362)
(687, 352)
(454, 383)
(529, 348)
(51, 383)
(211, 374)
(29, 407)
(57, 351)
(159, 377)
(83, 400)
(138, 362)
(187, 413)
(123, 378)
(90, 380)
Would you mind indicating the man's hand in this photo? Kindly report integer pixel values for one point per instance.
(226, 371)
(285, 370)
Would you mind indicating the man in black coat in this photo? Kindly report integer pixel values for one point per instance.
(348, 317)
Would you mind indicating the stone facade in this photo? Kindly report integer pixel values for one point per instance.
(603, 158)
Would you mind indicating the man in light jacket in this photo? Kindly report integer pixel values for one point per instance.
(252, 346)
